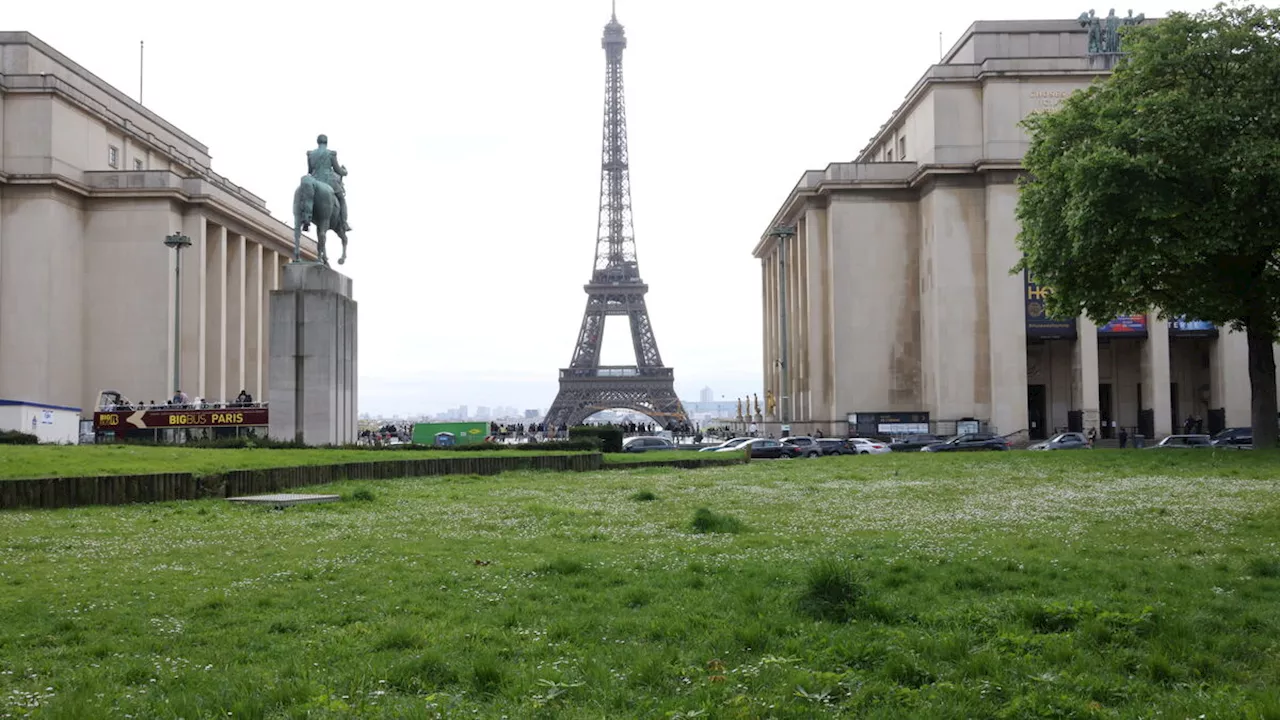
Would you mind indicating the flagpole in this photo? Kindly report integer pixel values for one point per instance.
(141, 51)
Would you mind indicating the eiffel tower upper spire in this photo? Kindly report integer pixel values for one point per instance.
(615, 236)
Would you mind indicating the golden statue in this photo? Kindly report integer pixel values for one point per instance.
(769, 404)
(739, 408)
(757, 399)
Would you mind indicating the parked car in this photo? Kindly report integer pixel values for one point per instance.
(764, 448)
(1063, 441)
(1237, 437)
(1183, 442)
(647, 444)
(726, 445)
(969, 441)
(836, 446)
(807, 445)
(914, 442)
(866, 446)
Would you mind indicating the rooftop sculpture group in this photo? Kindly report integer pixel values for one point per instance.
(321, 198)
(1104, 33)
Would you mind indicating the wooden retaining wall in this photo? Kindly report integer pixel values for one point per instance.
(160, 487)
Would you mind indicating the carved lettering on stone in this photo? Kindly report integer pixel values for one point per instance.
(1043, 101)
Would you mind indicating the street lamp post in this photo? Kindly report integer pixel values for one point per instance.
(177, 241)
(783, 233)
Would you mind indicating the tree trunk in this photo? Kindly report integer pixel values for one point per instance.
(1262, 385)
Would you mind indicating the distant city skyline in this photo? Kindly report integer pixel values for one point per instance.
(511, 410)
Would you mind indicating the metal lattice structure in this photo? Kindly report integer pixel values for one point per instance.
(615, 288)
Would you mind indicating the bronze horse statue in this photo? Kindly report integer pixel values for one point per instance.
(316, 202)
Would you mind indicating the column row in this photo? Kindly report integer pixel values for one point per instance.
(1170, 378)
(785, 319)
(226, 279)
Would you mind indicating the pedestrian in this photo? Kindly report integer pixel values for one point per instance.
(1124, 438)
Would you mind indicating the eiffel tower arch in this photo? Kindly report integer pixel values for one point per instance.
(586, 386)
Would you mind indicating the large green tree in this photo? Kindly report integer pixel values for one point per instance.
(1159, 186)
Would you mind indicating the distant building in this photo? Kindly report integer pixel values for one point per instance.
(706, 395)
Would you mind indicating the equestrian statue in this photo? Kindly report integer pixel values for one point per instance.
(321, 199)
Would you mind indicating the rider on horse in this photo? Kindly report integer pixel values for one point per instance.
(322, 165)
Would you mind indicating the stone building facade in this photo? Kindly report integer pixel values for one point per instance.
(888, 298)
(91, 183)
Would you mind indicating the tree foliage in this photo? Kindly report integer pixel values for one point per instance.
(1159, 186)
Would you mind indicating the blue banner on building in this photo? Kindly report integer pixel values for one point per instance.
(1182, 327)
(1038, 324)
(1134, 326)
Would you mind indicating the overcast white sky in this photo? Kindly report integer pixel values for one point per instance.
(472, 131)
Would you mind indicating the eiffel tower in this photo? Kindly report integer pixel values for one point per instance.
(587, 387)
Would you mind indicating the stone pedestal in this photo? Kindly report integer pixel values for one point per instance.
(313, 357)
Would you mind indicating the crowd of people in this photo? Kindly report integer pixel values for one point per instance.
(113, 401)
(388, 434)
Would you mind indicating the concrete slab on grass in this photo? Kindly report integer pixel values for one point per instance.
(284, 499)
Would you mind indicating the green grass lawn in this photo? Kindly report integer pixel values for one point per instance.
(1102, 584)
(665, 455)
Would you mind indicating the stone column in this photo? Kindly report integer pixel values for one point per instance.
(253, 347)
(236, 316)
(803, 321)
(791, 383)
(1006, 310)
(1229, 378)
(1155, 376)
(955, 326)
(270, 281)
(1084, 374)
(194, 318)
(769, 353)
(215, 388)
(313, 357)
(818, 347)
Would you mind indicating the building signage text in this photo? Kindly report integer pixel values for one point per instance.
(1043, 101)
(1040, 325)
(1182, 327)
(130, 420)
(1134, 326)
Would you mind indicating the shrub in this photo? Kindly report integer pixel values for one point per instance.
(243, 442)
(644, 496)
(247, 442)
(610, 437)
(1267, 567)
(17, 437)
(363, 495)
(832, 591)
(581, 445)
(706, 521)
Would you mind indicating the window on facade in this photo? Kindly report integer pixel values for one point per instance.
(889, 155)
(137, 163)
(902, 148)
(113, 156)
